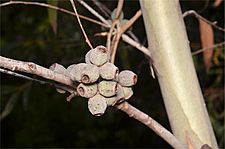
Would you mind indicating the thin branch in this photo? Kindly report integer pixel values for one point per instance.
(131, 21)
(102, 8)
(192, 12)
(120, 32)
(137, 45)
(58, 86)
(214, 46)
(150, 123)
(94, 12)
(52, 7)
(78, 19)
(30, 67)
(124, 36)
(109, 35)
(119, 8)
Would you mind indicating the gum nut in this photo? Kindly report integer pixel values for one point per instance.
(77, 71)
(87, 59)
(127, 78)
(120, 92)
(111, 101)
(98, 56)
(57, 68)
(69, 70)
(128, 92)
(107, 88)
(97, 105)
(108, 71)
(90, 74)
(87, 91)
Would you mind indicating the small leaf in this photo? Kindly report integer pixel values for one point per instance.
(207, 40)
(52, 15)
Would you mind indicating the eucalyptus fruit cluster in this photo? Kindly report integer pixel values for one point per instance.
(99, 80)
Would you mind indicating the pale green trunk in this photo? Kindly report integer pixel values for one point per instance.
(179, 84)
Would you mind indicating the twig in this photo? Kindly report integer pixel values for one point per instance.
(124, 36)
(192, 12)
(119, 8)
(109, 35)
(102, 7)
(65, 88)
(94, 12)
(137, 45)
(78, 19)
(30, 67)
(214, 46)
(132, 35)
(120, 32)
(52, 7)
(150, 123)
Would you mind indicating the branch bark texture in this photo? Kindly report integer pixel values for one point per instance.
(30, 67)
(176, 73)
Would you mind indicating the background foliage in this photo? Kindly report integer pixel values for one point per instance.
(41, 117)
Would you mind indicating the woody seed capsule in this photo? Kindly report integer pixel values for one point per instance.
(87, 57)
(111, 101)
(120, 96)
(76, 71)
(107, 88)
(108, 71)
(87, 91)
(128, 92)
(97, 105)
(69, 70)
(98, 56)
(59, 69)
(89, 74)
(127, 78)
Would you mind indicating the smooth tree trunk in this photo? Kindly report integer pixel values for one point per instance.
(169, 46)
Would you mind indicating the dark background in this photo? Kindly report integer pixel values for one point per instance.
(41, 117)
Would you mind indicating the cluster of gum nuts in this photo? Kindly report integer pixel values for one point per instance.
(99, 80)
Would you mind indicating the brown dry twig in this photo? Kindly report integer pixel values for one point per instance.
(214, 46)
(192, 12)
(82, 29)
(52, 7)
